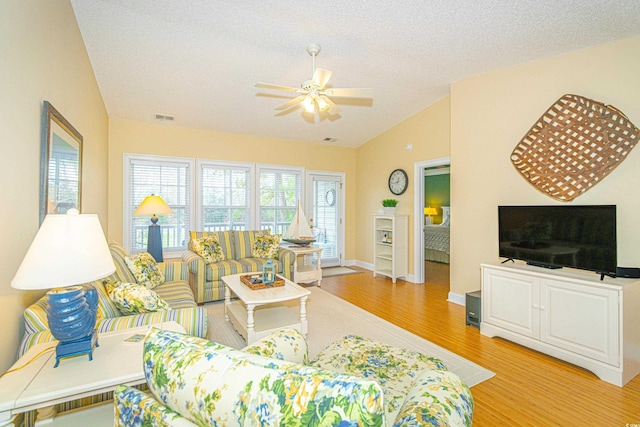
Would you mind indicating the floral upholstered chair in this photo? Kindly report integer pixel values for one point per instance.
(353, 382)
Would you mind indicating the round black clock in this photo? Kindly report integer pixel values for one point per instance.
(398, 181)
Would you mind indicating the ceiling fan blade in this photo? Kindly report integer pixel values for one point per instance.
(333, 108)
(321, 77)
(277, 87)
(291, 103)
(349, 92)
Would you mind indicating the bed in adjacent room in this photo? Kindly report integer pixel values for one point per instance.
(436, 239)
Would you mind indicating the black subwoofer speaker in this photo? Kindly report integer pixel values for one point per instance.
(473, 302)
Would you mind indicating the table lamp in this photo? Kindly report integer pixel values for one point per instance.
(153, 205)
(68, 251)
(428, 212)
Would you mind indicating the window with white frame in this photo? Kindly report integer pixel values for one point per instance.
(225, 196)
(169, 178)
(279, 190)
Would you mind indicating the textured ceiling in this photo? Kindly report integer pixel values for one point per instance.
(199, 60)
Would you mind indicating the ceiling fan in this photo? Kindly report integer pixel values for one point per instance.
(314, 92)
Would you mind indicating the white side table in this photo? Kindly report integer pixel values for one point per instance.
(38, 385)
(307, 266)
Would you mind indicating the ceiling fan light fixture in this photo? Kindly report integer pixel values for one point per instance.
(322, 104)
(308, 104)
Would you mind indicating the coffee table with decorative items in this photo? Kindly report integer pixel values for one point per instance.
(259, 310)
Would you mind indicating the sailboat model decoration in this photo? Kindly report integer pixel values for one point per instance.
(299, 233)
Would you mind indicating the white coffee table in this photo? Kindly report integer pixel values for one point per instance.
(38, 385)
(260, 312)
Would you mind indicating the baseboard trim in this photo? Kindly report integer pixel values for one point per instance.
(457, 298)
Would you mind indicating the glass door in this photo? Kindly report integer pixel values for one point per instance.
(325, 213)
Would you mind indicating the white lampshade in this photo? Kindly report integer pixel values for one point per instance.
(152, 205)
(68, 250)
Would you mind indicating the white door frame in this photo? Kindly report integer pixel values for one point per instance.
(341, 200)
(418, 213)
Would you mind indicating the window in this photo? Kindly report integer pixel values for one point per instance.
(225, 194)
(169, 178)
(279, 192)
(63, 176)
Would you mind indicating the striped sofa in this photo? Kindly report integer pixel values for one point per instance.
(237, 247)
(175, 291)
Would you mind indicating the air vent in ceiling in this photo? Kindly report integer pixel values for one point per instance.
(164, 117)
(329, 139)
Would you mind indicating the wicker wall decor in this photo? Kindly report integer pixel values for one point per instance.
(574, 145)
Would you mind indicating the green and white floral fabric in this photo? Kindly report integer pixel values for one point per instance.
(266, 246)
(397, 371)
(131, 298)
(213, 385)
(284, 344)
(208, 248)
(145, 270)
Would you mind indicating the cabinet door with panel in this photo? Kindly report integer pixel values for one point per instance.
(581, 319)
(509, 301)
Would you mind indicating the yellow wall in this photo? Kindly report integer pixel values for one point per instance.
(429, 133)
(43, 58)
(126, 136)
(492, 112)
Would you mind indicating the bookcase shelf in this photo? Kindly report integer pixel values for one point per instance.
(391, 246)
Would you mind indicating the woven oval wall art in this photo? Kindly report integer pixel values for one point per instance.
(574, 145)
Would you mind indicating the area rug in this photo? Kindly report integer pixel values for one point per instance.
(330, 318)
(338, 271)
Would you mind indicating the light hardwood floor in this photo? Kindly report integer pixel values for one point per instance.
(529, 389)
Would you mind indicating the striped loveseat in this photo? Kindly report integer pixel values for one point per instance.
(175, 291)
(237, 249)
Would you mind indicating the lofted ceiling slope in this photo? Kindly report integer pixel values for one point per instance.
(199, 60)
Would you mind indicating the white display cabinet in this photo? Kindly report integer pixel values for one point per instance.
(391, 246)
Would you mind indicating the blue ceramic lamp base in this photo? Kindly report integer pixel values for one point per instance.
(71, 313)
(76, 348)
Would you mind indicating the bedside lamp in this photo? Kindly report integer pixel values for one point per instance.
(153, 205)
(68, 250)
(428, 212)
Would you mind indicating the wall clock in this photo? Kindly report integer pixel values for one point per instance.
(398, 181)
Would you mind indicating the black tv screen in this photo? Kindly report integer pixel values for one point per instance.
(582, 237)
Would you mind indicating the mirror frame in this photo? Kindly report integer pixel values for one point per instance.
(53, 123)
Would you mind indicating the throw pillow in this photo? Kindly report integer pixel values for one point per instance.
(131, 298)
(208, 248)
(266, 246)
(145, 269)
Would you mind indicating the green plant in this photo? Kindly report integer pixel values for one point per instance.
(389, 203)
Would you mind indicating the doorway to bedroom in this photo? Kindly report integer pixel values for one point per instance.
(437, 190)
(432, 220)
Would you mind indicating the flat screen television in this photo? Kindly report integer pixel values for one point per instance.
(582, 237)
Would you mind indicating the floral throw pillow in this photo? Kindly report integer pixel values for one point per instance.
(208, 248)
(145, 269)
(266, 246)
(131, 298)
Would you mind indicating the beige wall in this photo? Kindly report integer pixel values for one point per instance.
(43, 58)
(489, 116)
(429, 133)
(127, 136)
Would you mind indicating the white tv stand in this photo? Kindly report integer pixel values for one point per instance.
(568, 314)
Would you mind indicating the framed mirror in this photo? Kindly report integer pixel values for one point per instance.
(60, 164)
